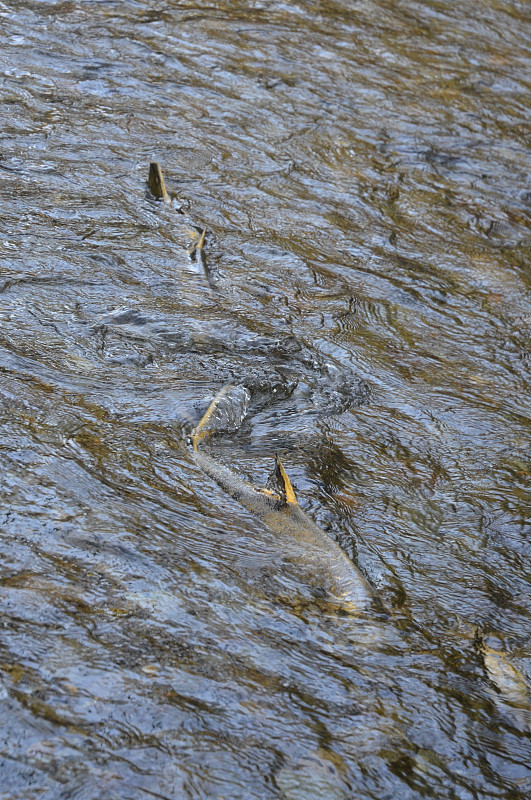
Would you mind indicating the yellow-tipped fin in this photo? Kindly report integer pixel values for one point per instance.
(200, 243)
(195, 250)
(156, 184)
(204, 428)
(284, 482)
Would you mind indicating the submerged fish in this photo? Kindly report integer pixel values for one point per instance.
(513, 691)
(327, 570)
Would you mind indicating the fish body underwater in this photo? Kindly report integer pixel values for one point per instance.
(321, 563)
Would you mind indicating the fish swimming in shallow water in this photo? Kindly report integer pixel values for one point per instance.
(513, 689)
(322, 564)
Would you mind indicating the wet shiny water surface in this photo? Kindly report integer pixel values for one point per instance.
(362, 172)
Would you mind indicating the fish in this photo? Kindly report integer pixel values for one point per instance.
(328, 571)
(513, 690)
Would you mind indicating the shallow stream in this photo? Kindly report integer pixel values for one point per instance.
(362, 171)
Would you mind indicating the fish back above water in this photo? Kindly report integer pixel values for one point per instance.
(320, 561)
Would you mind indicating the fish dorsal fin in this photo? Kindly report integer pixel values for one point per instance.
(280, 483)
(156, 184)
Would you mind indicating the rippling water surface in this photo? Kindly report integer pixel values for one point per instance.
(362, 171)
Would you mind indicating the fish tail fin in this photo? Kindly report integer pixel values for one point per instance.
(225, 413)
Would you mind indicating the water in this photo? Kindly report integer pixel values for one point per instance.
(362, 171)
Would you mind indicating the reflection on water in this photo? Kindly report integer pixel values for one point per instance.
(362, 173)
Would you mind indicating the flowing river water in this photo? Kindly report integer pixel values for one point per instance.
(362, 171)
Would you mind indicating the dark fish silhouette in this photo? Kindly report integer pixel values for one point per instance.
(329, 572)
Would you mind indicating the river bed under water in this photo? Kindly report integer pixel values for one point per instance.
(362, 172)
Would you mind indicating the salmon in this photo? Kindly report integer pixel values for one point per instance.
(322, 564)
